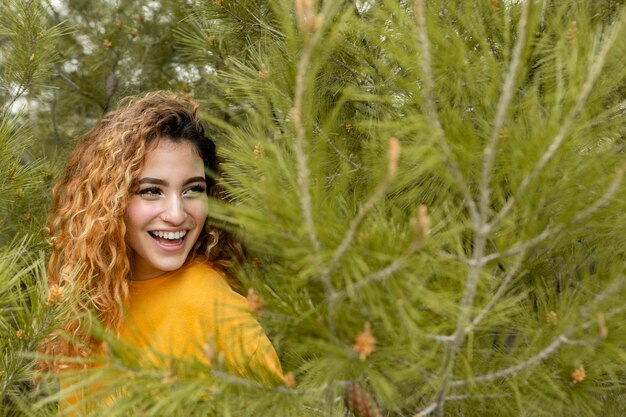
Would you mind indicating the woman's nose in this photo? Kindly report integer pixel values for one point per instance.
(174, 211)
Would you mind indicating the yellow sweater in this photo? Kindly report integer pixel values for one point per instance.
(193, 313)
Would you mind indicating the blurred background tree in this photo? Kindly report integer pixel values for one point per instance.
(111, 49)
(27, 54)
(431, 192)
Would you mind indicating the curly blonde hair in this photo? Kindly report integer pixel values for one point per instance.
(87, 220)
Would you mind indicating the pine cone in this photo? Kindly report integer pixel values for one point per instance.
(360, 402)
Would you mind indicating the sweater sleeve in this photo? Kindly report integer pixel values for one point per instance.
(247, 350)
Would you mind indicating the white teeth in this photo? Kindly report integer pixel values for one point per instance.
(170, 235)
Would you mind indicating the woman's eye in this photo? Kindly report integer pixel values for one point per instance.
(150, 191)
(196, 189)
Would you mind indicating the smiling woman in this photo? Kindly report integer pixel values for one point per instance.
(129, 234)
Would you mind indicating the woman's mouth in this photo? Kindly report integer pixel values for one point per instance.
(169, 238)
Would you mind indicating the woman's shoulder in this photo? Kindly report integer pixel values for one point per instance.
(203, 276)
(201, 267)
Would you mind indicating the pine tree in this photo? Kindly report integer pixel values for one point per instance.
(108, 50)
(434, 194)
(25, 317)
(27, 53)
(431, 194)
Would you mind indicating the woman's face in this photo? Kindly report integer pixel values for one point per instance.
(167, 212)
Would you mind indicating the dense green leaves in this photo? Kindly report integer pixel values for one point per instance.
(488, 261)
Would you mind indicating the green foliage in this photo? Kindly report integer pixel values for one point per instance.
(27, 51)
(109, 50)
(27, 54)
(510, 121)
(26, 319)
(26, 48)
(480, 273)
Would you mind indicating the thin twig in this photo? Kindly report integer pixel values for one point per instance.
(386, 272)
(427, 411)
(559, 341)
(310, 24)
(79, 89)
(594, 72)
(512, 370)
(18, 93)
(489, 154)
(341, 174)
(442, 338)
(431, 108)
(606, 196)
(261, 23)
(301, 158)
(523, 247)
(501, 289)
(465, 310)
(338, 152)
(474, 397)
(454, 257)
(51, 8)
(377, 195)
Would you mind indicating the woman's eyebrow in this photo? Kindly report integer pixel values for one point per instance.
(195, 179)
(148, 180)
(158, 181)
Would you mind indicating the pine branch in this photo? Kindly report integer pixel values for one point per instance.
(377, 195)
(512, 370)
(560, 340)
(458, 337)
(310, 24)
(312, 35)
(455, 342)
(481, 226)
(489, 154)
(384, 273)
(608, 194)
(545, 353)
(499, 293)
(261, 23)
(79, 89)
(432, 112)
(339, 153)
(592, 76)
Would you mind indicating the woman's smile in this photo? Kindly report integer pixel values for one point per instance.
(169, 241)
